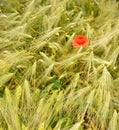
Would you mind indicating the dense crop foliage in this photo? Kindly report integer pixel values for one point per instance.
(45, 83)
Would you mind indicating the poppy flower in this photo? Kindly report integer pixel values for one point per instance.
(79, 41)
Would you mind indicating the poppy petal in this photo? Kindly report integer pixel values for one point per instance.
(79, 41)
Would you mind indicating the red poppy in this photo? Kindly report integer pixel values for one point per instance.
(79, 41)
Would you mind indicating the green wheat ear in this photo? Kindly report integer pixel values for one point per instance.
(5, 78)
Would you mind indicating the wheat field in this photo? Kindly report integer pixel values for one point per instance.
(46, 83)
